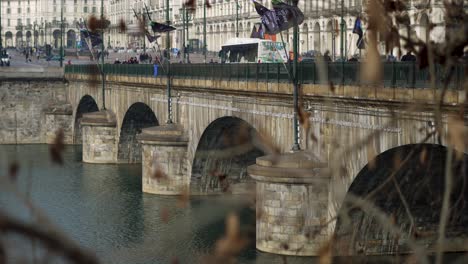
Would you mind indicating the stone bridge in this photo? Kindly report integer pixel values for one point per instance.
(222, 127)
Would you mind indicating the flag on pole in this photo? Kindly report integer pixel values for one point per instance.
(358, 30)
(160, 28)
(282, 17)
(150, 37)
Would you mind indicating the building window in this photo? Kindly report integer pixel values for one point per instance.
(19, 10)
(8, 22)
(94, 9)
(85, 9)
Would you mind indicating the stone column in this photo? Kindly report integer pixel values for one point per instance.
(164, 160)
(99, 137)
(58, 117)
(292, 203)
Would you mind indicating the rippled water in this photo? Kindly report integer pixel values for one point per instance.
(103, 209)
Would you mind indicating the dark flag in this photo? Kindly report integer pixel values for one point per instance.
(95, 38)
(160, 28)
(282, 17)
(268, 17)
(257, 31)
(150, 37)
(288, 15)
(358, 30)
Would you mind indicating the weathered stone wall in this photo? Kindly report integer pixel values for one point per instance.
(21, 106)
(291, 216)
(164, 169)
(99, 144)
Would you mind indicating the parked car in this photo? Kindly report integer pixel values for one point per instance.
(5, 59)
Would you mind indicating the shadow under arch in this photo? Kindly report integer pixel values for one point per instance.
(410, 197)
(138, 116)
(87, 104)
(225, 150)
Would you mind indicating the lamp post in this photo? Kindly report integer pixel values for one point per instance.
(35, 36)
(168, 43)
(295, 146)
(1, 42)
(144, 35)
(102, 58)
(61, 33)
(188, 18)
(182, 10)
(342, 43)
(237, 18)
(204, 30)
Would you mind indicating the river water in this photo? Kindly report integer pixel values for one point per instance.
(102, 208)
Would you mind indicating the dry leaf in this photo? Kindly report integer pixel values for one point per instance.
(183, 198)
(457, 135)
(13, 170)
(325, 252)
(371, 154)
(232, 243)
(423, 156)
(57, 147)
(164, 215)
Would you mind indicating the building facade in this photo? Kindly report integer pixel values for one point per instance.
(321, 30)
(31, 23)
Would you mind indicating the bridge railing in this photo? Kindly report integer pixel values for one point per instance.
(395, 74)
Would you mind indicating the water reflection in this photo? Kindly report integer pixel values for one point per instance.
(102, 208)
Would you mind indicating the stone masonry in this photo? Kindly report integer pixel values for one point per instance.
(58, 117)
(99, 137)
(292, 203)
(164, 160)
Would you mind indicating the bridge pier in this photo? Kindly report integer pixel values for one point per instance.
(292, 203)
(58, 117)
(164, 160)
(99, 137)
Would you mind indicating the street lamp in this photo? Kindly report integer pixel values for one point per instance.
(1, 43)
(237, 18)
(61, 33)
(295, 146)
(35, 36)
(185, 26)
(102, 58)
(204, 29)
(342, 43)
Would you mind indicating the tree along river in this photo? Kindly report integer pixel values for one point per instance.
(102, 208)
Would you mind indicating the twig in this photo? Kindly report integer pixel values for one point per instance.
(445, 205)
(51, 239)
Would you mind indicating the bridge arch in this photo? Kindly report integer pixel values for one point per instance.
(226, 147)
(407, 184)
(87, 104)
(138, 116)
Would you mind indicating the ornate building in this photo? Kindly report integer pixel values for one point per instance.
(320, 31)
(30, 22)
(27, 23)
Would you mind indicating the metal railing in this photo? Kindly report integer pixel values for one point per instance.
(395, 74)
